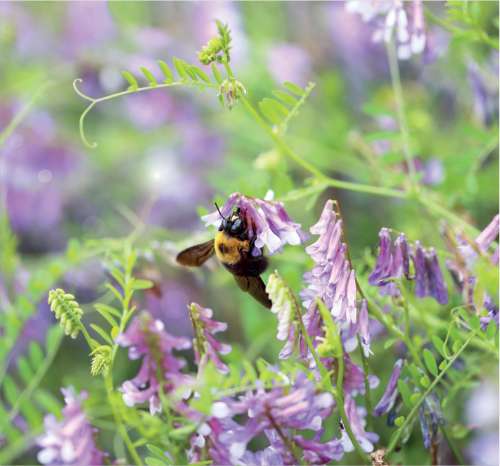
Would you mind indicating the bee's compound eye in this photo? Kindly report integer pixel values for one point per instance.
(222, 248)
(237, 226)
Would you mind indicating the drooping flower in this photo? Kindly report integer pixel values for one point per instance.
(393, 18)
(393, 262)
(332, 279)
(356, 415)
(283, 305)
(69, 441)
(354, 378)
(388, 399)
(429, 279)
(206, 347)
(267, 221)
(160, 368)
(431, 418)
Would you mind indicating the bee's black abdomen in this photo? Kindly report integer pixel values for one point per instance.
(249, 266)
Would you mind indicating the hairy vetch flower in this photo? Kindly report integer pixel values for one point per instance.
(356, 415)
(431, 418)
(206, 347)
(278, 413)
(160, 368)
(332, 279)
(429, 279)
(266, 220)
(393, 263)
(71, 440)
(388, 399)
(390, 17)
(284, 306)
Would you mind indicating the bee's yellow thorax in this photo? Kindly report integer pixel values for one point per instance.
(228, 249)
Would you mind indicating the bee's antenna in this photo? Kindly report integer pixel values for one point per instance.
(218, 210)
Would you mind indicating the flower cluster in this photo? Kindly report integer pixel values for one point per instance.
(71, 440)
(278, 413)
(332, 278)
(393, 263)
(266, 220)
(462, 267)
(206, 347)
(160, 369)
(390, 18)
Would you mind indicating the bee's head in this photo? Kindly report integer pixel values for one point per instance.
(234, 225)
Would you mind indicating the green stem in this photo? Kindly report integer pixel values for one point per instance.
(322, 178)
(108, 382)
(368, 401)
(413, 412)
(398, 95)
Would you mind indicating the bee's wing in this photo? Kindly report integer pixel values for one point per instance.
(256, 287)
(196, 255)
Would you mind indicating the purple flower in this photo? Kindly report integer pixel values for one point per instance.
(388, 399)
(484, 84)
(431, 418)
(71, 440)
(206, 347)
(356, 416)
(276, 413)
(332, 279)
(429, 279)
(354, 378)
(267, 221)
(391, 17)
(393, 262)
(160, 368)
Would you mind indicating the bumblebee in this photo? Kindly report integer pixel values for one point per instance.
(234, 249)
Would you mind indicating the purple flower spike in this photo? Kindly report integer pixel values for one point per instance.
(431, 418)
(206, 347)
(332, 279)
(266, 220)
(390, 394)
(488, 235)
(147, 338)
(71, 440)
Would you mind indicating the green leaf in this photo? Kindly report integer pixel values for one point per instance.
(156, 451)
(273, 110)
(25, 371)
(430, 362)
(284, 97)
(424, 381)
(405, 393)
(149, 76)
(216, 73)
(491, 329)
(200, 74)
(152, 461)
(102, 333)
(106, 315)
(167, 72)
(108, 309)
(293, 88)
(414, 398)
(10, 390)
(53, 338)
(133, 85)
(399, 421)
(182, 432)
(47, 401)
(439, 345)
(179, 67)
(389, 342)
(35, 354)
(140, 284)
